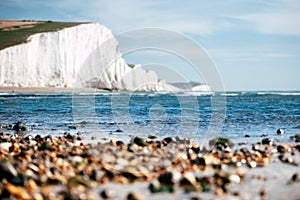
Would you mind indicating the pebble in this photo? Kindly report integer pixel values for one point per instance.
(38, 164)
(189, 183)
(106, 194)
(8, 171)
(152, 137)
(295, 178)
(134, 196)
(263, 194)
(221, 141)
(17, 191)
(234, 178)
(280, 131)
(140, 141)
(21, 126)
(5, 146)
(268, 141)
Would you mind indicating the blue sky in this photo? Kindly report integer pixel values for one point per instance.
(255, 44)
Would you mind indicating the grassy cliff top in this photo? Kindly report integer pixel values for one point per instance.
(17, 32)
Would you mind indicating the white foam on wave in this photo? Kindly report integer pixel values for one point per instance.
(230, 94)
(279, 93)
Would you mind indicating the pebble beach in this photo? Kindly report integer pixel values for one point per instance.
(69, 167)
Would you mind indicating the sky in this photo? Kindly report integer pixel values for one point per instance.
(253, 44)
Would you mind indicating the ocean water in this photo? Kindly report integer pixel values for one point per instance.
(125, 115)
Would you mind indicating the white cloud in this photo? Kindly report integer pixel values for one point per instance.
(279, 55)
(282, 18)
(248, 54)
(275, 23)
(130, 14)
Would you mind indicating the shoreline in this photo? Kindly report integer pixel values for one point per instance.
(147, 168)
(24, 90)
(66, 90)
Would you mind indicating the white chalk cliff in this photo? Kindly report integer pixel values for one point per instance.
(86, 55)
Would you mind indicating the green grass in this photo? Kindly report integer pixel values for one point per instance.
(19, 36)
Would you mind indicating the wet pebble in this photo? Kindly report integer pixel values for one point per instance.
(280, 131)
(134, 196)
(295, 178)
(268, 141)
(263, 194)
(21, 126)
(221, 141)
(140, 142)
(106, 194)
(8, 171)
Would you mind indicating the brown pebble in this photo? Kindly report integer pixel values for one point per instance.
(195, 198)
(219, 191)
(31, 185)
(105, 194)
(17, 191)
(251, 164)
(260, 177)
(295, 178)
(263, 193)
(152, 137)
(236, 193)
(134, 196)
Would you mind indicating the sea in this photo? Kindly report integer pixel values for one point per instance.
(124, 115)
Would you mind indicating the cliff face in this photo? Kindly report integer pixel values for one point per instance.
(86, 55)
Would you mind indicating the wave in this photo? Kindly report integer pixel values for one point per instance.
(279, 93)
(230, 94)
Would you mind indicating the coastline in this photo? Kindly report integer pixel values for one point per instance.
(24, 90)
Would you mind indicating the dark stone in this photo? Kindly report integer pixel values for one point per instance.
(45, 146)
(247, 135)
(281, 149)
(167, 140)
(140, 141)
(221, 141)
(130, 176)
(196, 149)
(76, 181)
(68, 136)
(120, 143)
(280, 131)
(8, 171)
(37, 137)
(263, 135)
(29, 137)
(166, 178)
(96, 175)
(263, 193)
(20, 126)
(152, 137)
(199, 161)
(268, 141)
(295, 178)
(297, 147)
(156, 187)
(134, 196)
(195, 198)
(119, 131)
(105, 194)
(206, 183)
(72, 127)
